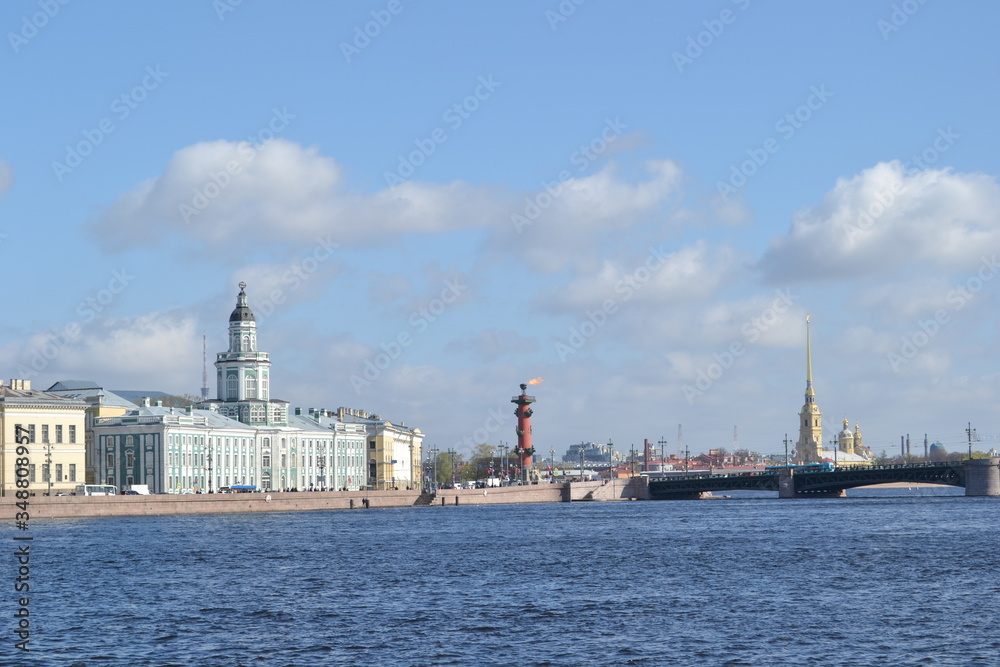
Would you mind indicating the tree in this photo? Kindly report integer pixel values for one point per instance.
(447, 465)
(178, 400)
(483, 456)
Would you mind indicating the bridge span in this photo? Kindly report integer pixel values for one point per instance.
(980, 477)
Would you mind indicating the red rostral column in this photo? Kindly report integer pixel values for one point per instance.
(524, 449)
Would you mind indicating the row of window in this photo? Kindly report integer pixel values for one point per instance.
(58, 430)
(232, 387)
(58, 476)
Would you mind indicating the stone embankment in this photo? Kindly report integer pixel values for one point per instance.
(64, 507)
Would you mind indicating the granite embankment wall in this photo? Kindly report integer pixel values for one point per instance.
(64, 507)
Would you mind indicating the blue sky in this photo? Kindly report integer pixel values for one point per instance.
(434, 202)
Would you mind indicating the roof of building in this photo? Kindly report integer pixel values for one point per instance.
(85, 390)
(242, 312)
(74, 384)
(10, 395)
(135, 395)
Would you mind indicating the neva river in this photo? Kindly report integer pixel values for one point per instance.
(912, 579)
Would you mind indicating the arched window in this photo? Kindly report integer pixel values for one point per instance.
(251, 386)
(246, 344)
(232, 387)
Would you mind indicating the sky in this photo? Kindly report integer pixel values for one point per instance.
(431, 203)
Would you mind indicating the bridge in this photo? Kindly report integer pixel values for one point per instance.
(980, 477)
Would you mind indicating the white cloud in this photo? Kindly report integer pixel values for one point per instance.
(691, 273)
(573, 221)
(230, 194)
(884, 218)
(127, 352)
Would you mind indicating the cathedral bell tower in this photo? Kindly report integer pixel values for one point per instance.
(810, 446)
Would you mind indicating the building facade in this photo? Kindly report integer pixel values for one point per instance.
(244, 437)
(100, 403)
(393, 452)
(54, 428)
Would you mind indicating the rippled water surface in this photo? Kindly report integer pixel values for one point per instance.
(746, 581)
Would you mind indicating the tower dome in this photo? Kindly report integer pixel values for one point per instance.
(242, 312)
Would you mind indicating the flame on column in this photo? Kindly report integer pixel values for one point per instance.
(536, 380)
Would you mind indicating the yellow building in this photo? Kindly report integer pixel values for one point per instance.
(809, 448)
(847, 450)
(101, 403)
(51, 427)
(393, 452)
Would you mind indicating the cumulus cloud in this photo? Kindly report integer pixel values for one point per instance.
(234, 194)
(6, 176)
(554, 226)
(886, 217)
(125, 351)
(656, 276)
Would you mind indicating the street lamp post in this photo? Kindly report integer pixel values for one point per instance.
(321, 464)
(48, 464)
(210, 469)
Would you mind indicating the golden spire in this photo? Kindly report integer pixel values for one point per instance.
(809, 365)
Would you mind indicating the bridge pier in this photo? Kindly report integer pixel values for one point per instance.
(786, 484)
(982, 477)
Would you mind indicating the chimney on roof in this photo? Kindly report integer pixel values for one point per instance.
(159, 404)
(144, 402)
(298, 411)
(20, 385)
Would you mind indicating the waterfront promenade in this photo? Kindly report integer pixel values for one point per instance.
(61, 507)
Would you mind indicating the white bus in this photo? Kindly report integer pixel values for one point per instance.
(95, 490)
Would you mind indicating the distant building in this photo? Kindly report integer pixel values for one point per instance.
(592, 452)
(54, 428)
(848, 449)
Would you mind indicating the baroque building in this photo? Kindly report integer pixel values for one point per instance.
(243, 374)
(245, 438)
(847, 449)
(810, 445)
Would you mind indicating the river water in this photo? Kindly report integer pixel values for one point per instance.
(893, 577)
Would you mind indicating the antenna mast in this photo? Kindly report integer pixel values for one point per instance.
(204, 367)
